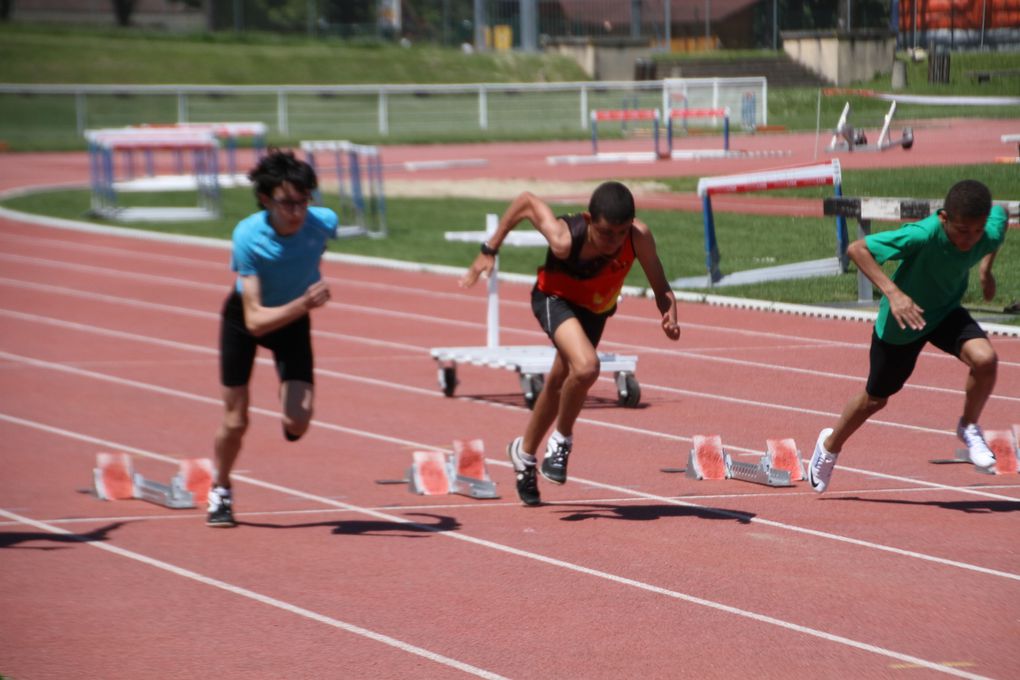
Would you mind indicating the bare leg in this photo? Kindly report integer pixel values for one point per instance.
(855, 413)
(574, 371)
(227, 443)
(980, 356)
(296, 397)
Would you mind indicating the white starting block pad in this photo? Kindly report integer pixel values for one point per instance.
(434, 473)
(781, 465)
(846, 138)
(1005, 444)
(530, 362)
(114, 479)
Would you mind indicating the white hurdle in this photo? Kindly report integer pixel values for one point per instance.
(530, 362)
(105, 144)
(802, 176)
(359, 175)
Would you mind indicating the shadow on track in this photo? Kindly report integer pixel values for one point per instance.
(374, 527)
(647, 513)
(10, 539)
(988, 506)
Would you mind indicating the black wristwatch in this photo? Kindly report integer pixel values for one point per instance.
(486, 250)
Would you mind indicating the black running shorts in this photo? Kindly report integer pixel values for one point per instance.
(291, 346)
(551, 311)
(891, 365)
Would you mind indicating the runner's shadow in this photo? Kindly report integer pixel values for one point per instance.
(646, 513)
(374, 527)
(982, 507)
(590, 402)
(10, 539)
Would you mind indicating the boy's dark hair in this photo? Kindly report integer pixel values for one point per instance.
(613, 201)
(277, 167)
(968, 199)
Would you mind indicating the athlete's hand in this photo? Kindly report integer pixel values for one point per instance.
(669, 325)
(481, 267)
(988, 285)
(905, 311)
(317, 295)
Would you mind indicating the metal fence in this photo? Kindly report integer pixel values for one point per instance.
(364, 113)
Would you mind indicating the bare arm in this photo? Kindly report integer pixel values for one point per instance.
(901, 306)
(529, 207)
(987, 277)
(648, 256)
(261, 320)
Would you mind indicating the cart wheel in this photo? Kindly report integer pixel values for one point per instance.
(627, 389)
(908, 138)
(531, 385)
(448, 380)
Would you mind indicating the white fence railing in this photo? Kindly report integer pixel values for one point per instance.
(371, 111)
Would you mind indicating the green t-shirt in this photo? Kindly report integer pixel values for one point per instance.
(932, 271)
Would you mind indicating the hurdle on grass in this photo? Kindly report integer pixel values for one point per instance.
(623, 116)
(864, 210)
(201, 147)
(1010, 139)
(359, 176)
(803, 176)
(229, 134)
(712, 114)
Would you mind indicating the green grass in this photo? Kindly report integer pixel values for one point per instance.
(31, 54)
(416, 229)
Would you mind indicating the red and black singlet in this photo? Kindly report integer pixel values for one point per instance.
(594, 284)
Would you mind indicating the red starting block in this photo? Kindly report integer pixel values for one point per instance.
(114, 479)
(1003, 443)
(708, 460)
(435, 473)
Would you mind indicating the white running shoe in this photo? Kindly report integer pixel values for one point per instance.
(977, 448)
(822, 462)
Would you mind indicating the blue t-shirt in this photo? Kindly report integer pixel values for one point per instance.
(285, 265)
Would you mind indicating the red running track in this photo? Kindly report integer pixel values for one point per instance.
(904, 569)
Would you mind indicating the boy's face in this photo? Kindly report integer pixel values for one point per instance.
(962, 233)
(605, 236)
(287, 207)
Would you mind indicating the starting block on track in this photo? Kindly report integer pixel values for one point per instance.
(1005, 444)
(114, 479)
(434, 473)
(780, 466)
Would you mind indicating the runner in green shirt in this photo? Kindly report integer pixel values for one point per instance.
(921, 304)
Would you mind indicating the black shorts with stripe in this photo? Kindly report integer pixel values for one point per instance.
(551, 311)
(291, 346)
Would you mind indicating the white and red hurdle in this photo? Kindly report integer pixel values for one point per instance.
(822, 174)
(201, 146)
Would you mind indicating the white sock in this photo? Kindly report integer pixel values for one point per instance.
(527, 458)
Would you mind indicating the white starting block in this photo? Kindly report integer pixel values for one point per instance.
(434, 473)
(531, 362)
(1005, 444)
(781, 464)
(846, 138)
(114, 478)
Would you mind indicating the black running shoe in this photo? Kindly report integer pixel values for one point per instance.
(554, 465)
(221, 513)
(527, 480)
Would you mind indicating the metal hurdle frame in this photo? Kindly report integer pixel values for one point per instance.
(864, 210)
(530, 362)
(105, 144)
(622, 116)
(685, 114)
(846, 138)
(358, 166)
(802, 176)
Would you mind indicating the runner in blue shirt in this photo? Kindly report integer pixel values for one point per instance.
(276, 255)
(921, 304)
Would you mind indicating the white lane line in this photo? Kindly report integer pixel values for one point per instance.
(529, 555)
(261, 598)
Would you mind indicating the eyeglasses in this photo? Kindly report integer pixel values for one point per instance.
(289, 204)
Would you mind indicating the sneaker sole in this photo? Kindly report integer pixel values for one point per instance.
(554, 481)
